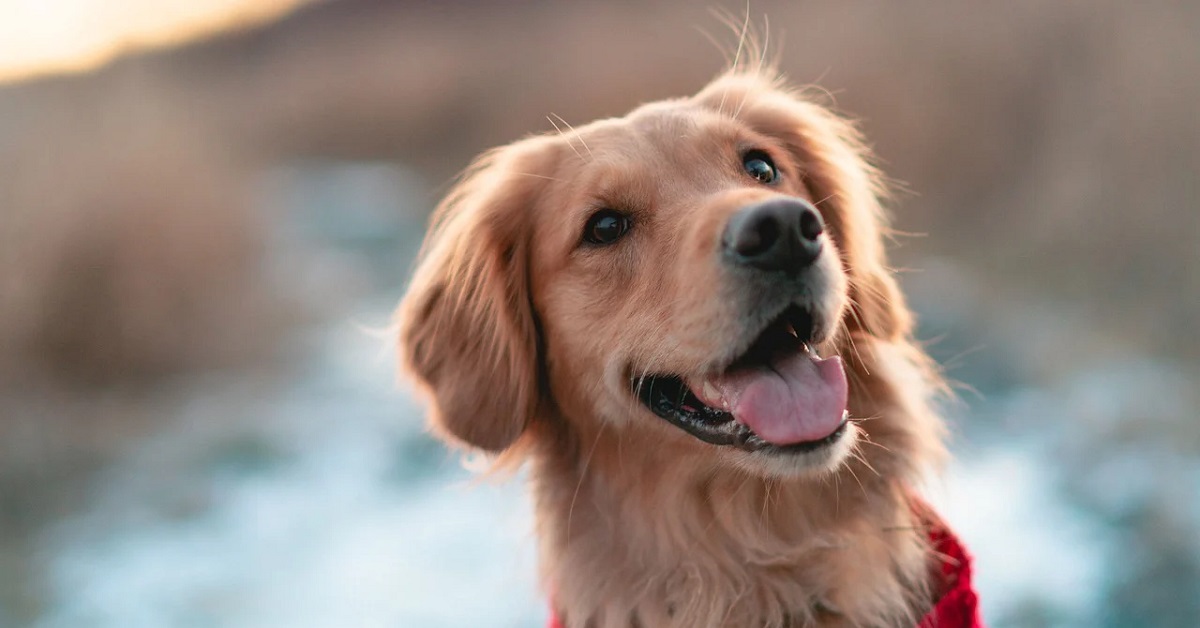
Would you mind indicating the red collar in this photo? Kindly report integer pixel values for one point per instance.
(959, 605)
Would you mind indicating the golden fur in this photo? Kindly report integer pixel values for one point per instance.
(526, 342)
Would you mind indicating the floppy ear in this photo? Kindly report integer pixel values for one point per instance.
(845, 187)
(466, 326)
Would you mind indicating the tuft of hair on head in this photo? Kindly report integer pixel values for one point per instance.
(751, 51)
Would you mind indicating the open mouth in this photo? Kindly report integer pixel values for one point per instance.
(777, 396)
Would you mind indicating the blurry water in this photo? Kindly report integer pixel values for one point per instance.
(311, 496)
(314, 498)
(328, 506)
(1076, 481)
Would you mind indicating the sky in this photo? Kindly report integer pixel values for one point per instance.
(41, 36)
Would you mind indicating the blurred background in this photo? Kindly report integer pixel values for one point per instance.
(208, 209)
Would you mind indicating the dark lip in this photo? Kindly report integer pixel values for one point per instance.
(668, 396)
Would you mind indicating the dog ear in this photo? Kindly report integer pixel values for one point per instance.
(466, 325)
(846, 188)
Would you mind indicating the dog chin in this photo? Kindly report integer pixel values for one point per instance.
(786, 465)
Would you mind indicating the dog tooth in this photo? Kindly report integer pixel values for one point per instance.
(711, 392)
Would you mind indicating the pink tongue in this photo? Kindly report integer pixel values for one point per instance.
(800, 399)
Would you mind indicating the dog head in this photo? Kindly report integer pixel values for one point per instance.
(694, 272)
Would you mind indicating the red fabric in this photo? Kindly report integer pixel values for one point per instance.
(959, 605)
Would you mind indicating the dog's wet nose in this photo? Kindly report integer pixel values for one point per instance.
(782, 234)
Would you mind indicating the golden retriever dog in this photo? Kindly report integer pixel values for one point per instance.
(683, 321)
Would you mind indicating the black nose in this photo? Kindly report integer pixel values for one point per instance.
(782, 234)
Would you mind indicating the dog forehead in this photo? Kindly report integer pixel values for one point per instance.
(659, 131)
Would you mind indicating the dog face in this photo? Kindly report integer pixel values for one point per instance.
(676, 274)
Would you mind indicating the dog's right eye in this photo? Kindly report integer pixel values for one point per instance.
(605, 227)
(759, 165)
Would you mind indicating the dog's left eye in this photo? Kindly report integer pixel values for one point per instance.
(605, 227)
(759, 165)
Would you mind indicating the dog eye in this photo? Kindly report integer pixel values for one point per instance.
(759, 165)
(605, 227)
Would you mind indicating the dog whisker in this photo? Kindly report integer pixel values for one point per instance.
(737, 56)
(815, 86)
(911, 528)
(858, 455)
(576, 133)
(582, 475)
(761, 58)
(827, 198)
(832, 479)
(767, 504)
(866, 440)
(854, 475)
(877, 292)
(564, 136)
(537, 176)
(850, 339)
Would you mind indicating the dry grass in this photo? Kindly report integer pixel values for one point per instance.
(127, 249)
